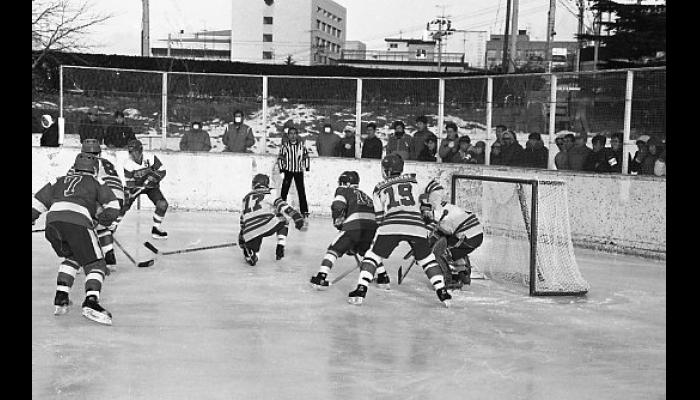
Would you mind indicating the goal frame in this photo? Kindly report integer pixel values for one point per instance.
(532, 233)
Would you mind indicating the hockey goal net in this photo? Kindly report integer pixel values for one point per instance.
(527, 236)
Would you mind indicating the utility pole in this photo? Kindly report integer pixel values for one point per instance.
(514, 38)
(550, 34)
(596, 23)
(581, 9)
(169, 40)
(440, 21)
(506, 34)
(145, 39)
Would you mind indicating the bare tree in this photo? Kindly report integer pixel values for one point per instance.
(62, 25)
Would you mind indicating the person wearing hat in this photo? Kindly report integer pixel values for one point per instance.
(601, 159)
(478, 153)
(328, 142)
(635, 163)
(49, 133)
(536, 154)
(399, 142)
(420, 138)
(119, 134)
(238, 137)
(463, 155)
(346, 145)
(91, 127)
(195, 139)
(512, 151)
(450, 146)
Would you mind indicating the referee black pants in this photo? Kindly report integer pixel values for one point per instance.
(299, 183)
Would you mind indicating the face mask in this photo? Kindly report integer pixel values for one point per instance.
(237, 120)
(286, 130)
(451, 144)
(327, 130)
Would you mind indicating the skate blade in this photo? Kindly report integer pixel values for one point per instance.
(447, 303)
(477, 275)
(384, 286)
(61, 310)
(159, 237)
(320, 288)
(355, 300)
(98, 317)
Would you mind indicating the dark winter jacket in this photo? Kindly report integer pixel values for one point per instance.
(535, 155)
(49, 136)
(400, 145)
(372, 148)
(327, 144)
(419, 139)
(601, 161)
(346, 147)
(577, 157)
(512, 155)
(118, 135)
(91, 130)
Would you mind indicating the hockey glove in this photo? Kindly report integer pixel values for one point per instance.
(338, 223)
(426, 211)
(107, 216)
(35, 215)
(241, 241)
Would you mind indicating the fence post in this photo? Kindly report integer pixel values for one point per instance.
(164, 112)
(441, 114)
(61, 121)
(263, 145)
(552, 119)
(358, 119)
(626, 144)
(489, 115)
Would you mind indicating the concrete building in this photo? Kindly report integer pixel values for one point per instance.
(470, 43)
(203, 45)
(307, 32)
(531, 52)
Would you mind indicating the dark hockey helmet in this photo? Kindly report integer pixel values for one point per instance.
(349, 178)
(392, 165)
(261, 180)
(85, 162)
(134, 145)
(91, 146)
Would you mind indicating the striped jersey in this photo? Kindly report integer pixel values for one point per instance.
(261, 212)
(135, 173)
(397, 205)
(458, 222)
(355, 206)
(74, 198)
(293, 157)
(108, 173)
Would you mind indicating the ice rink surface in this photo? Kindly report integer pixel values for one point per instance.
(206, 325)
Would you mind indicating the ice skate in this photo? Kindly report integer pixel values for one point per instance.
(111, 261)
(93, 311)
(158, 234)
(319, 282)
(444, 296)
(62, 303)
(279, 252)
(383, 281)
(358, 295)
(250, 256)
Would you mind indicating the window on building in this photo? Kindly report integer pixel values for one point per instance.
(393, 45)
(267, 37)
(267, 20)
(338, 31)
(319, 9)
(267, 55)
(421, 53)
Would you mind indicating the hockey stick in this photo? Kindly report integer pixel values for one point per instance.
(344, 274)
(38, 230)
(124, 250)
(410, 253)
(152, 248)
(403, 276)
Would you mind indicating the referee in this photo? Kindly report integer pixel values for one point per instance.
(292, 160)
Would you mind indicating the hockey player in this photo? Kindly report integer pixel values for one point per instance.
(397, 210)
(353, 215)
(462, 233)
(107, 173)
(72, 202)
(262, 215)
(143, 174)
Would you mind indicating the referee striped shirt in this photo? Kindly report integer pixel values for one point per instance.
(293, 157)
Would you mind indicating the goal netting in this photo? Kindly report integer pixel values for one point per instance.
(527, 236)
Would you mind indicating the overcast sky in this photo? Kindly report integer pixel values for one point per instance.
(367, 20)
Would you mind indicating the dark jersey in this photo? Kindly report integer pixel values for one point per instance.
(74, 198)
(355, 206)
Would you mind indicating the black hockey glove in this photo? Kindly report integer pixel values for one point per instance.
(426, 211)
(298, 221)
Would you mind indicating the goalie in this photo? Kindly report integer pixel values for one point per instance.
(457, 234)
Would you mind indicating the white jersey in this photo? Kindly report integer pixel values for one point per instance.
(458, 222)
(135, 173)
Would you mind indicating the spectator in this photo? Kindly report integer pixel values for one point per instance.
(49, 132)
(372, 146)
(238, 137)
(399, 142)
(500, 130)
(616, 147)
(328, 142)
(601, 158)
(660, 164)
(496, 154)
(535, 155)
(478, 153)
(450, 146)
(195, 139)
(346, 146)
(429, 150)
(512, 151)
(91, 127)
(579, 153)
(561, 160)
(635, 163)
(292, 159)
(463, 155)
(420, 137)
(119, 133)
(655, 148)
